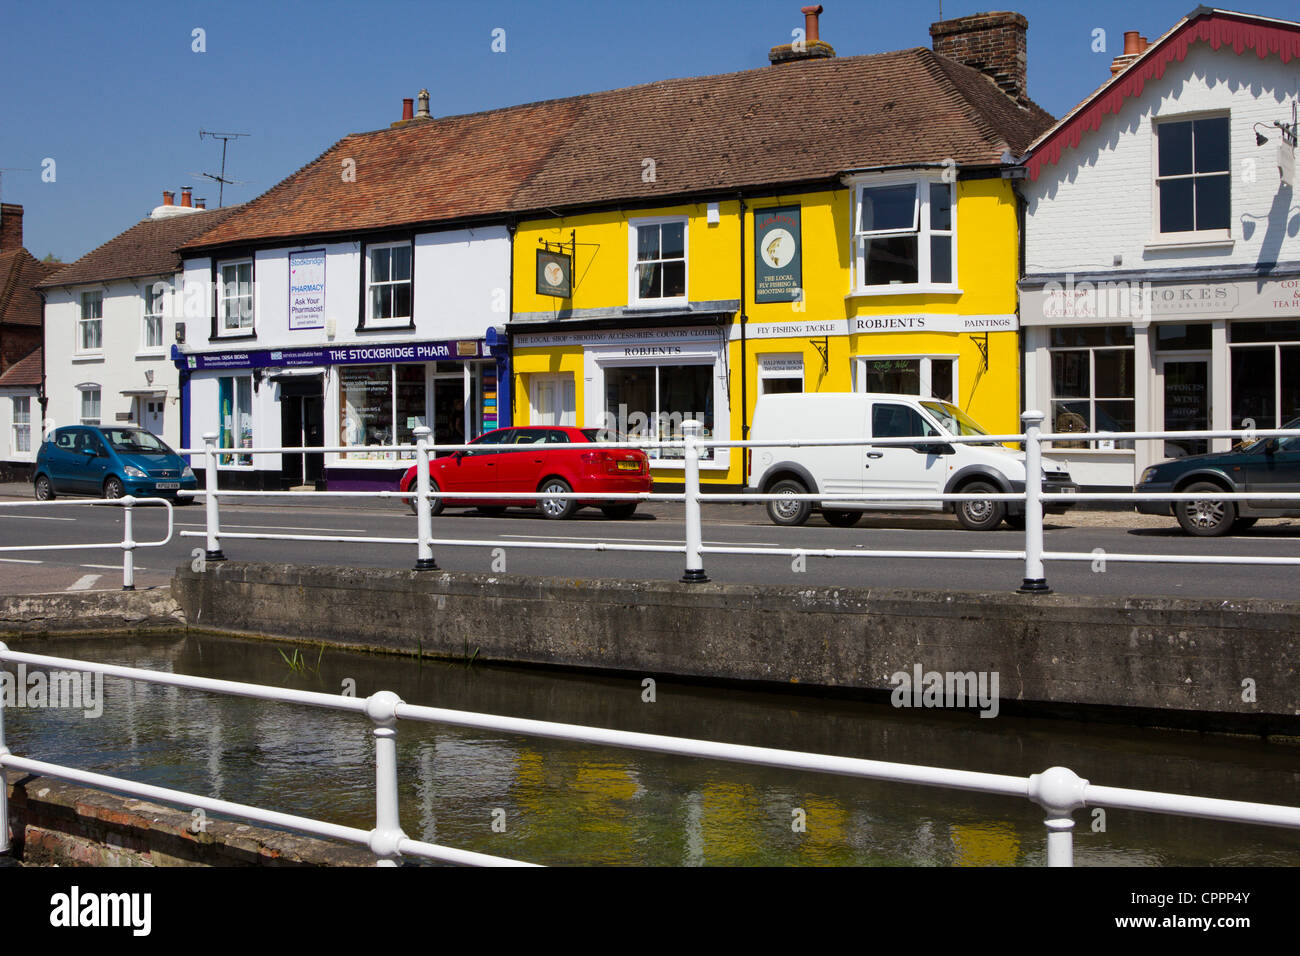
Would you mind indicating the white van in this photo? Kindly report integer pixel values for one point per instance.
(936, 467)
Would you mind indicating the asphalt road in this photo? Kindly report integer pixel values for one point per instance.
(655, 524)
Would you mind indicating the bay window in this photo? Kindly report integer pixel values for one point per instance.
(905, 237)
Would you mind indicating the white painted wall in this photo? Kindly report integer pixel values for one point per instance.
(1099, 200)
(119, 366)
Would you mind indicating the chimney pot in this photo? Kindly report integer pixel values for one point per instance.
(186, 192)
(1132, 42)
(408, 108)
(200, 204)
(1145, 43)
(168, 197)
(423, 111)
(810, 15)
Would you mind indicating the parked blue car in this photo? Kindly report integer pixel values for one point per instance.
(108, 463)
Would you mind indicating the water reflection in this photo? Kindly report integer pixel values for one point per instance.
(561, 803)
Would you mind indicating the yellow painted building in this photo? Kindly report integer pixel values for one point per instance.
(898, 280)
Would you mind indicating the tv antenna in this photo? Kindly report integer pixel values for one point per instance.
(225, 141)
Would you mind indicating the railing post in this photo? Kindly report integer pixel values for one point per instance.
(1060, 792)
(423, 521)
(1035, 581)
(4, 777)
(694, 537)
(387, 834)
(214, 552)
(128, 544)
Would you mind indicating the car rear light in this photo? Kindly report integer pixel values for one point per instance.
(603, 461)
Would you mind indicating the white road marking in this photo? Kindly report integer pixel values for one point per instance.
(20, 561)
(109, 567)
(560, 537)
(85, 582)
(274, 527)
(36, 517)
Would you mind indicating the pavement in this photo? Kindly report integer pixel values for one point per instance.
(502, 544)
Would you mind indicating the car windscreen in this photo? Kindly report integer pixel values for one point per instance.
(135, 441)
(1283, 444)
(953, 419)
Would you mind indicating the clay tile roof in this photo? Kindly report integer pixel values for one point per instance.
(148, 248)
(26, 372)
(20, 272)
(803, 121)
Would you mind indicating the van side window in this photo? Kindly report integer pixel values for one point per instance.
(899, 421)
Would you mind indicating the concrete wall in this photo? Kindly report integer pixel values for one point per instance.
(1163, 661)
(88, 611)
(60, 824)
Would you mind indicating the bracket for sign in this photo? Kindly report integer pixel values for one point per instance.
(983, 346)
(824, 350)
(571, 247)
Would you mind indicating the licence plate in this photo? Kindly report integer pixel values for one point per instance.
(629, 466)
(169, 486)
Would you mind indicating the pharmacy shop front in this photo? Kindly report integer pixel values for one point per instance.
(367, 396)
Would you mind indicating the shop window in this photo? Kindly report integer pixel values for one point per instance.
(235, 298)
(905, 234)
(90, 324)
(1265, 375)
(658, 262)
(151, 330)
(22, 424)
(1193, 180)
(381, 405)
(90, 405)
(651, 401)
(388, 285)
(780, 374)
(1093, 384)
(923, 376)
(235, 404)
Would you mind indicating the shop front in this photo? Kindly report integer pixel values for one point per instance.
(1117, 356)
(367, 396)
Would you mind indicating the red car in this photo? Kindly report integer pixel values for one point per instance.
(521, 459)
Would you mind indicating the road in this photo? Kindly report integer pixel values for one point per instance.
(655, 524)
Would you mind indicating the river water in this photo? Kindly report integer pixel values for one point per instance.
(560, 803)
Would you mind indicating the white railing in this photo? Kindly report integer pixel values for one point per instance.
(1033, 554)
(128, 544)
(1058, 790)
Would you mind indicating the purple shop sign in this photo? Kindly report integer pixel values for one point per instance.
(332, 355)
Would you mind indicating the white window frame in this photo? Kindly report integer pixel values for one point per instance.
(242, 329)
(21, 426)
(565, 388)
(1098, 444)
(921, 229)
(395, 322)
(86, 390)
(84, 323)
(1191, 237)
(634, 299)
(769, 374)
(926, 377)
(147, 318)
(710, 459)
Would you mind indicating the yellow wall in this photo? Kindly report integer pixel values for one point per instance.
(987, 250)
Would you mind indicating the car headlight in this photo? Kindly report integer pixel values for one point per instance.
(1147, 475)
(188, 472)
(134, 472)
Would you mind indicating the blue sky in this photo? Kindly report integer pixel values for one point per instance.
(115, 94)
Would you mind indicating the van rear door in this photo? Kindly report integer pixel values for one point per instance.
(903, 469)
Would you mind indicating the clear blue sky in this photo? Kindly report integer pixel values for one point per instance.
(115, 95)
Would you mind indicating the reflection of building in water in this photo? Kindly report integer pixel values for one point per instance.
(991, 843)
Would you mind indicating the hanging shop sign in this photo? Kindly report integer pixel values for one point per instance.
(554, 274)
(778, 255)
(307, 289)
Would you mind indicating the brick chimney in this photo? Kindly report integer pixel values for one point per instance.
(11, 227)
(168, 197)
(812, 47)
(993, 43)
(186, 193)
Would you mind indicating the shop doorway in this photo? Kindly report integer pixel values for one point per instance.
(148, 412)
(1184, 393)
(302, 425)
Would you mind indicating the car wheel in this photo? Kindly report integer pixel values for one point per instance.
(1243, 524)
(556, 508)
(619, 511)
(1206, 517)
(1015, 522)
(435, 504)
(979, 515)
(113, 487)
(788, 513)
(492, 511)
(842, 519)
(44, 490)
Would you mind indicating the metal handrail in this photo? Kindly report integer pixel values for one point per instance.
(1058, 790)
(128, 544)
